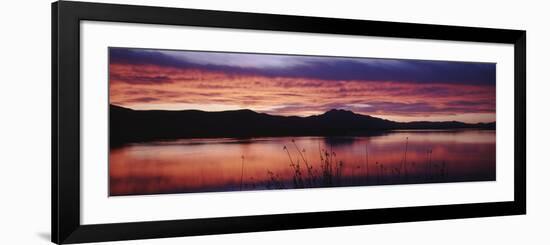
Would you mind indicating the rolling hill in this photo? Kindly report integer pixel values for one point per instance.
(127, 125)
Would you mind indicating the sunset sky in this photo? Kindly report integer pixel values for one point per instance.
(400, 90)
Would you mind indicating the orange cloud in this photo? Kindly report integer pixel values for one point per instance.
(156, 87)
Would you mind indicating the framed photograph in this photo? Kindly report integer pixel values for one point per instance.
(175, 122)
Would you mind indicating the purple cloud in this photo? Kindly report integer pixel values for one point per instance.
(315, 67)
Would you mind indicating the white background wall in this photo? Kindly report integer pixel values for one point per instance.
(25, 121)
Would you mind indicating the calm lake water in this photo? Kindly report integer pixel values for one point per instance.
(398, 157)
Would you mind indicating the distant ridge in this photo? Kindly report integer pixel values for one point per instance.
(127, 125)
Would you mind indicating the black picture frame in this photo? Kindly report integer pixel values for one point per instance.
(66, 18)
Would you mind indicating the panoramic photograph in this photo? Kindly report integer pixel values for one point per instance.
(184, 121)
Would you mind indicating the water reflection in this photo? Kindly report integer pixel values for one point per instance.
(400, 157)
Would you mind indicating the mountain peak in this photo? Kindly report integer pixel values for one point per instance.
(244, 111)
(338, 112)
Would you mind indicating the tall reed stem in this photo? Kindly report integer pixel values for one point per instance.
(405, 159)
(367, 161)
(242, 171)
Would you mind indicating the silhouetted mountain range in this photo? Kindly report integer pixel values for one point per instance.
(127, 125)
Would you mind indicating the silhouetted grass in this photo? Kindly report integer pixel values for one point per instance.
(274, 181)
(329, 172)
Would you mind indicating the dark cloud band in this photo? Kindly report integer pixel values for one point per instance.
(328, 68)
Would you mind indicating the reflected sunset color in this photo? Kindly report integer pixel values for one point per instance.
(200, 165)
